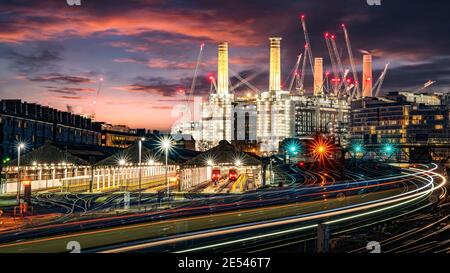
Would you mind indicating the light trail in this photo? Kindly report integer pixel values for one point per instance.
(312, 216)
(233, 204)
(347, 230)
(247, 226)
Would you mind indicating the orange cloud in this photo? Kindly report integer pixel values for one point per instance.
(133, 22)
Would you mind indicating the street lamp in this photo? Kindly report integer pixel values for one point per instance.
(123, 174)
(140, 170)
(166, 145)
(19, 183)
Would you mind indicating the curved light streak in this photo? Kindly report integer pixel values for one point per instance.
(312, 216)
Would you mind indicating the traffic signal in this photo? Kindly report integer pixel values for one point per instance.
(27, 191)
(358, 148)
(293, 149)
(388, 148)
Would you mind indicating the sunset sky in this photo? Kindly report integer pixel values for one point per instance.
(145, 51)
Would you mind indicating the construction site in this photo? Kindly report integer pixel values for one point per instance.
(263, 120)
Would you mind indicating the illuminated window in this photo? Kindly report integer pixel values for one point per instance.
(438, 117)
(438, 127)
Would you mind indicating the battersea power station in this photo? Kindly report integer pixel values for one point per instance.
(259, 123)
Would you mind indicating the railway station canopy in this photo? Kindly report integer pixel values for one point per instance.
(49, 153)
(223, 154)
(130, 155)
(151, 153)
(56, 153)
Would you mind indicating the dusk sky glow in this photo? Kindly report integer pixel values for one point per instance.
(146, 51)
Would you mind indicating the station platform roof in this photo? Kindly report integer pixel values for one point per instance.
(223, 154)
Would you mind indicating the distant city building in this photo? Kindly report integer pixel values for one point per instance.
(184, 141)
(192, 128)
(119, 136)
(400, 118)
(324, 114)
(35, 124)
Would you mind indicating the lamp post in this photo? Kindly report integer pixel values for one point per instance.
(357, 149)
(139, 169)
(166, 145)
(19, 183)
(123, 174)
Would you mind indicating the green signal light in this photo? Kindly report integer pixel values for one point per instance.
(388, 149)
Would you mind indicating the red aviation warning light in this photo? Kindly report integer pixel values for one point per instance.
(333, 36)
(327, 73)
(211, 77)
(327, 34)
(302, 16)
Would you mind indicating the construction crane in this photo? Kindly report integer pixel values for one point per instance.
(302, 76)
(245, 81)
(213, 86)
(333, 63)
(377, 86)
(294, 72)
(343, 73)
(425, 86)
(308, 44)
(352, 63)
(94, 103)
(194, 79)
